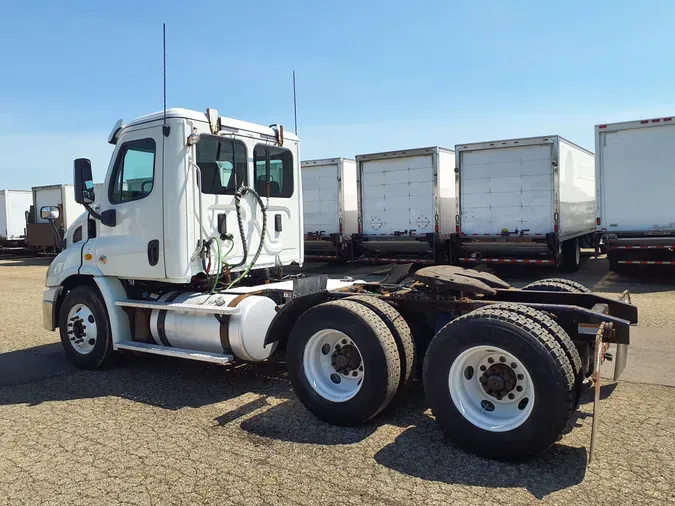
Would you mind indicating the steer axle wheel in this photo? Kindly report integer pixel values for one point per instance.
(343, 362)
(499, 383)
(84, 328)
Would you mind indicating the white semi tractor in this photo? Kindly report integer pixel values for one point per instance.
(636, 184)
(526, 201)
(184, 264)
(330, 208)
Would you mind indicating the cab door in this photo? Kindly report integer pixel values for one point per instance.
(133, 248)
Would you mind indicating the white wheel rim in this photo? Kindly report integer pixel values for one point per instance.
(482, 408)
(82, 331)
(333, 365)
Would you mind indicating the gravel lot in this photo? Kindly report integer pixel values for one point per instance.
(163, 431)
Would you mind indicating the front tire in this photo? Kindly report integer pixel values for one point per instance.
(343, 362)
(85, 329)
(523, 409)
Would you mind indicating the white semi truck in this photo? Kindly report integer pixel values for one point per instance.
(330, 208)
(527, 201)
(407, 202)
(183, 263)
(636, 184)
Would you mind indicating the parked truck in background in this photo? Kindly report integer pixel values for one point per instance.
(636, 185)
(330, 208)
(406, 205)
(14, 205)
(528, 200)
(54, 211)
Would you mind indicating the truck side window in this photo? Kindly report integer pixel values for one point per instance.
(134, 172)
(273, 165)
(77, 235)
(222, 163)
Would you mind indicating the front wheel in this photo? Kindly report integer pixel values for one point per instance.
(499, 384)
(85, 330)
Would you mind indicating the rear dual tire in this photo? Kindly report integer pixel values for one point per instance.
(499, 424)
(343, 362)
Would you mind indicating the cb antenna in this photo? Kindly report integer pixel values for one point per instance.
(295, 106)
(165, 127)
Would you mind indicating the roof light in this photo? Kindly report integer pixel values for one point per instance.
(656, 120)
(602, 126)
(667, 119)
(644, 121)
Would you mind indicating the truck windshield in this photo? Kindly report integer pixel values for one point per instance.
(223, 164)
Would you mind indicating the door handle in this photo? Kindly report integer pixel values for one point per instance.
(153, 252)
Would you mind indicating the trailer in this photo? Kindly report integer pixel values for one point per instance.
(406, 205)
(54, 211)
(330, 208)
(636, 184)
(183, 265)
(525, 201)
(14, 204)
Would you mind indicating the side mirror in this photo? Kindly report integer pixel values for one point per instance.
(49, 213)
(84, 182)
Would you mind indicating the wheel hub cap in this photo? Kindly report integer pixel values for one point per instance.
(498, 380)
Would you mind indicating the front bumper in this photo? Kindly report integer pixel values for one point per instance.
(50, 297)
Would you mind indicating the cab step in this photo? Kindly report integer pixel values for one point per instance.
(178, 306)
(167, 351)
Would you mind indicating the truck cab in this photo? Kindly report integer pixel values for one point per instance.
(170, 188)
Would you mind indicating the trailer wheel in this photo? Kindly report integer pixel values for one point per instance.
(343, 362)
(85, 329)
(557, 285)
(571, 255)
(555, 330)
(499, 384)
(400, 330)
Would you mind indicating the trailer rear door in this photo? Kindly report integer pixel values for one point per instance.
(637, 179)
(320, 197)
(397, 195)
(507, 188)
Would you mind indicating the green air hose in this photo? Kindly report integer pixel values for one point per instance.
(237, 200)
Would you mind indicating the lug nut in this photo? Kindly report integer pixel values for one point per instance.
(520, 377)
(491, 360)
(519, 388)
(344, 341)
(482, 368)
(511, 396)
(513, 365)
(502, 359)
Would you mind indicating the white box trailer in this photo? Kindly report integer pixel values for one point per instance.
(407, 202)
(14, 204)
(528, 200)
(636, 185)
(330, 207)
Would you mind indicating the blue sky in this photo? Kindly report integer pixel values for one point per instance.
(372, 75)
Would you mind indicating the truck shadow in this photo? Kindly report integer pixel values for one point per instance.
(42, 374)
(422, 450)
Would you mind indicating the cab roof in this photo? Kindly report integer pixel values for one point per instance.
(201, 116)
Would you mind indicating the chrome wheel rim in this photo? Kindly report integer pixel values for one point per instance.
(82, 330)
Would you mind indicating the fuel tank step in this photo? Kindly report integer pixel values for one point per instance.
(167, 351)
(178, 306)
